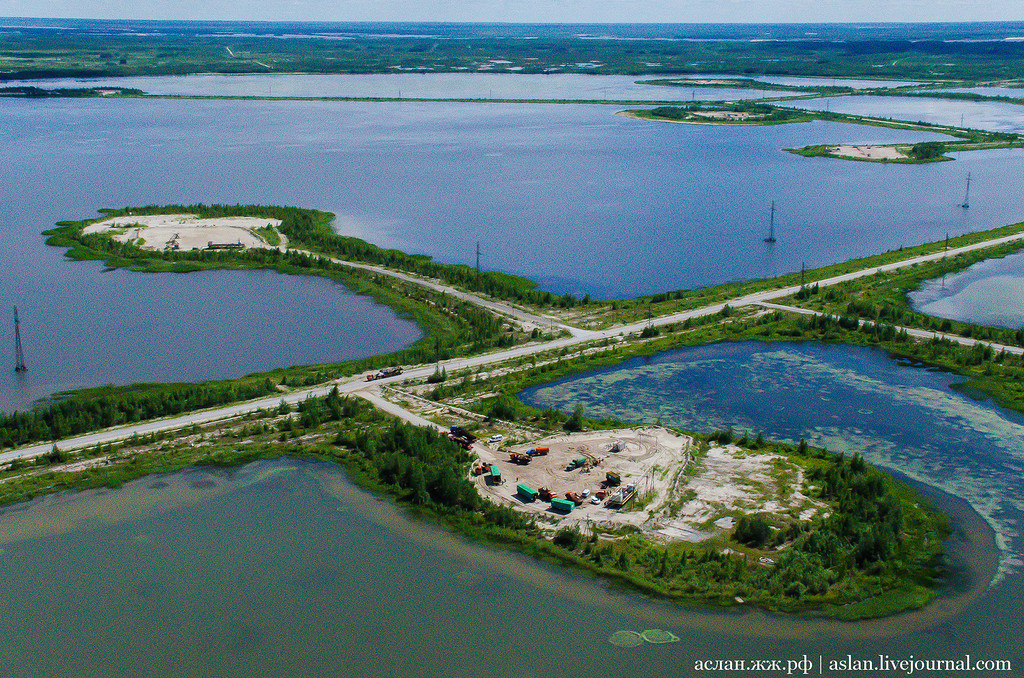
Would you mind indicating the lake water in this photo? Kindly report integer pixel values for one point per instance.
(995, 116)
(284, 569)
(575, 197)
(416, 86)
(1012, 92)
(847, 399)
(83, 327)
(832, 82)
(990, 293)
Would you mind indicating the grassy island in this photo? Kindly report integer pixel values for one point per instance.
(742, 113)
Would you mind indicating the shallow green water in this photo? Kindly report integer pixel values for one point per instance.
(284, 569)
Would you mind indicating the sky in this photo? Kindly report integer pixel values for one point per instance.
(528, 11)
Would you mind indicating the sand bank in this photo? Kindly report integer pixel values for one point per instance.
(867, 152)
(187, 231)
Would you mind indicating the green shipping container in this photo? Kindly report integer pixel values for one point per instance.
(527, 492)
(562, 505)
(581, 461)
(495, 473)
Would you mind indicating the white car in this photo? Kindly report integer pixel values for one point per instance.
(586, 493)
(595, 501)
(496, 438)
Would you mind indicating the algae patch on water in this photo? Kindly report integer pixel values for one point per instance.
(627, 638)
(658, 636)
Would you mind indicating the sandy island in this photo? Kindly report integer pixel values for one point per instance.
(867, 152)
(189, 232)
(701, 117)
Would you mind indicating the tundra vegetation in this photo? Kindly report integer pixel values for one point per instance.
(923, 52)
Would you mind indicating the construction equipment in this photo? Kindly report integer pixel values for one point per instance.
(574, 498)
(459, 435)
(462, 433)
(612, 479)
(578, 462)
(526, 492)
(519, 458)
(545, 494)
(621, 496)
(562, 505)
(384, 373)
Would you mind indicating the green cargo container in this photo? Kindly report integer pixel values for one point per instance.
(527, 492)
(580, 461)
(495, 472)
(562, 505)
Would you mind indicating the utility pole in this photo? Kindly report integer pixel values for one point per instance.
(803, 270)
(478, 258)
(20, 366)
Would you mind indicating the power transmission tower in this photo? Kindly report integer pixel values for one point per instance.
(20, 366)
(771, 226)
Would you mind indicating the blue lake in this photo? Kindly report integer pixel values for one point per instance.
(416, 86)
(995, 116)
(83, 327)
(577, 198)
(1012, 92)
(990, 293)
(582, 200)
(855, 83)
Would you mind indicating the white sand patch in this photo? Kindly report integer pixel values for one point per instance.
(726, 115)
(676, 503)
(702, 81)
(187, 231)
(867, 152)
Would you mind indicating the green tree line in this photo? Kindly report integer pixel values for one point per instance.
(88, 412)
